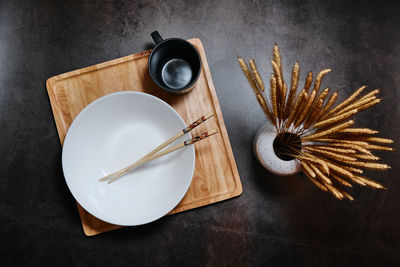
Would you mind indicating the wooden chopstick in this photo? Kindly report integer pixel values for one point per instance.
(162, 153)
(166, 143)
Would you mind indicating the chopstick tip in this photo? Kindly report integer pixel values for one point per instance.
(212, 132)
(209, 115)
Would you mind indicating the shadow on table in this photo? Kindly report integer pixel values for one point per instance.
(274, 184)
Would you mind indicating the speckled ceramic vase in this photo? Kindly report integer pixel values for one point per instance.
(263, 147)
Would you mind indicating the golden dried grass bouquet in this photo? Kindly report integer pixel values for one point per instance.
(316, 132)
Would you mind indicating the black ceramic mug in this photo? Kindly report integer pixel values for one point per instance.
(174, 64)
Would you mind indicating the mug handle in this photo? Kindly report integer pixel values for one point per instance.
(156, 37)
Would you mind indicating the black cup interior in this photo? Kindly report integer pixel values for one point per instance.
(174, 65)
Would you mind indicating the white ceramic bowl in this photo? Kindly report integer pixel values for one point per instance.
(113, 132)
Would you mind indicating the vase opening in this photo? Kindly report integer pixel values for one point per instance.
(287, 145)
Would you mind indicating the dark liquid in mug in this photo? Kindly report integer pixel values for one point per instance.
(176, 73)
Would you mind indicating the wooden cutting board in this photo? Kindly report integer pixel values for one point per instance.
(215, 177)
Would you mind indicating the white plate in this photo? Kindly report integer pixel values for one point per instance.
(113, 132)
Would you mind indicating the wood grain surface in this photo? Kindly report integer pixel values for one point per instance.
(216, 176)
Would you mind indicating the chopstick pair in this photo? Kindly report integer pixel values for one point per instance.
(153, 154)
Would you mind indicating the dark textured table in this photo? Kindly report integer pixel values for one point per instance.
(277, 221)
